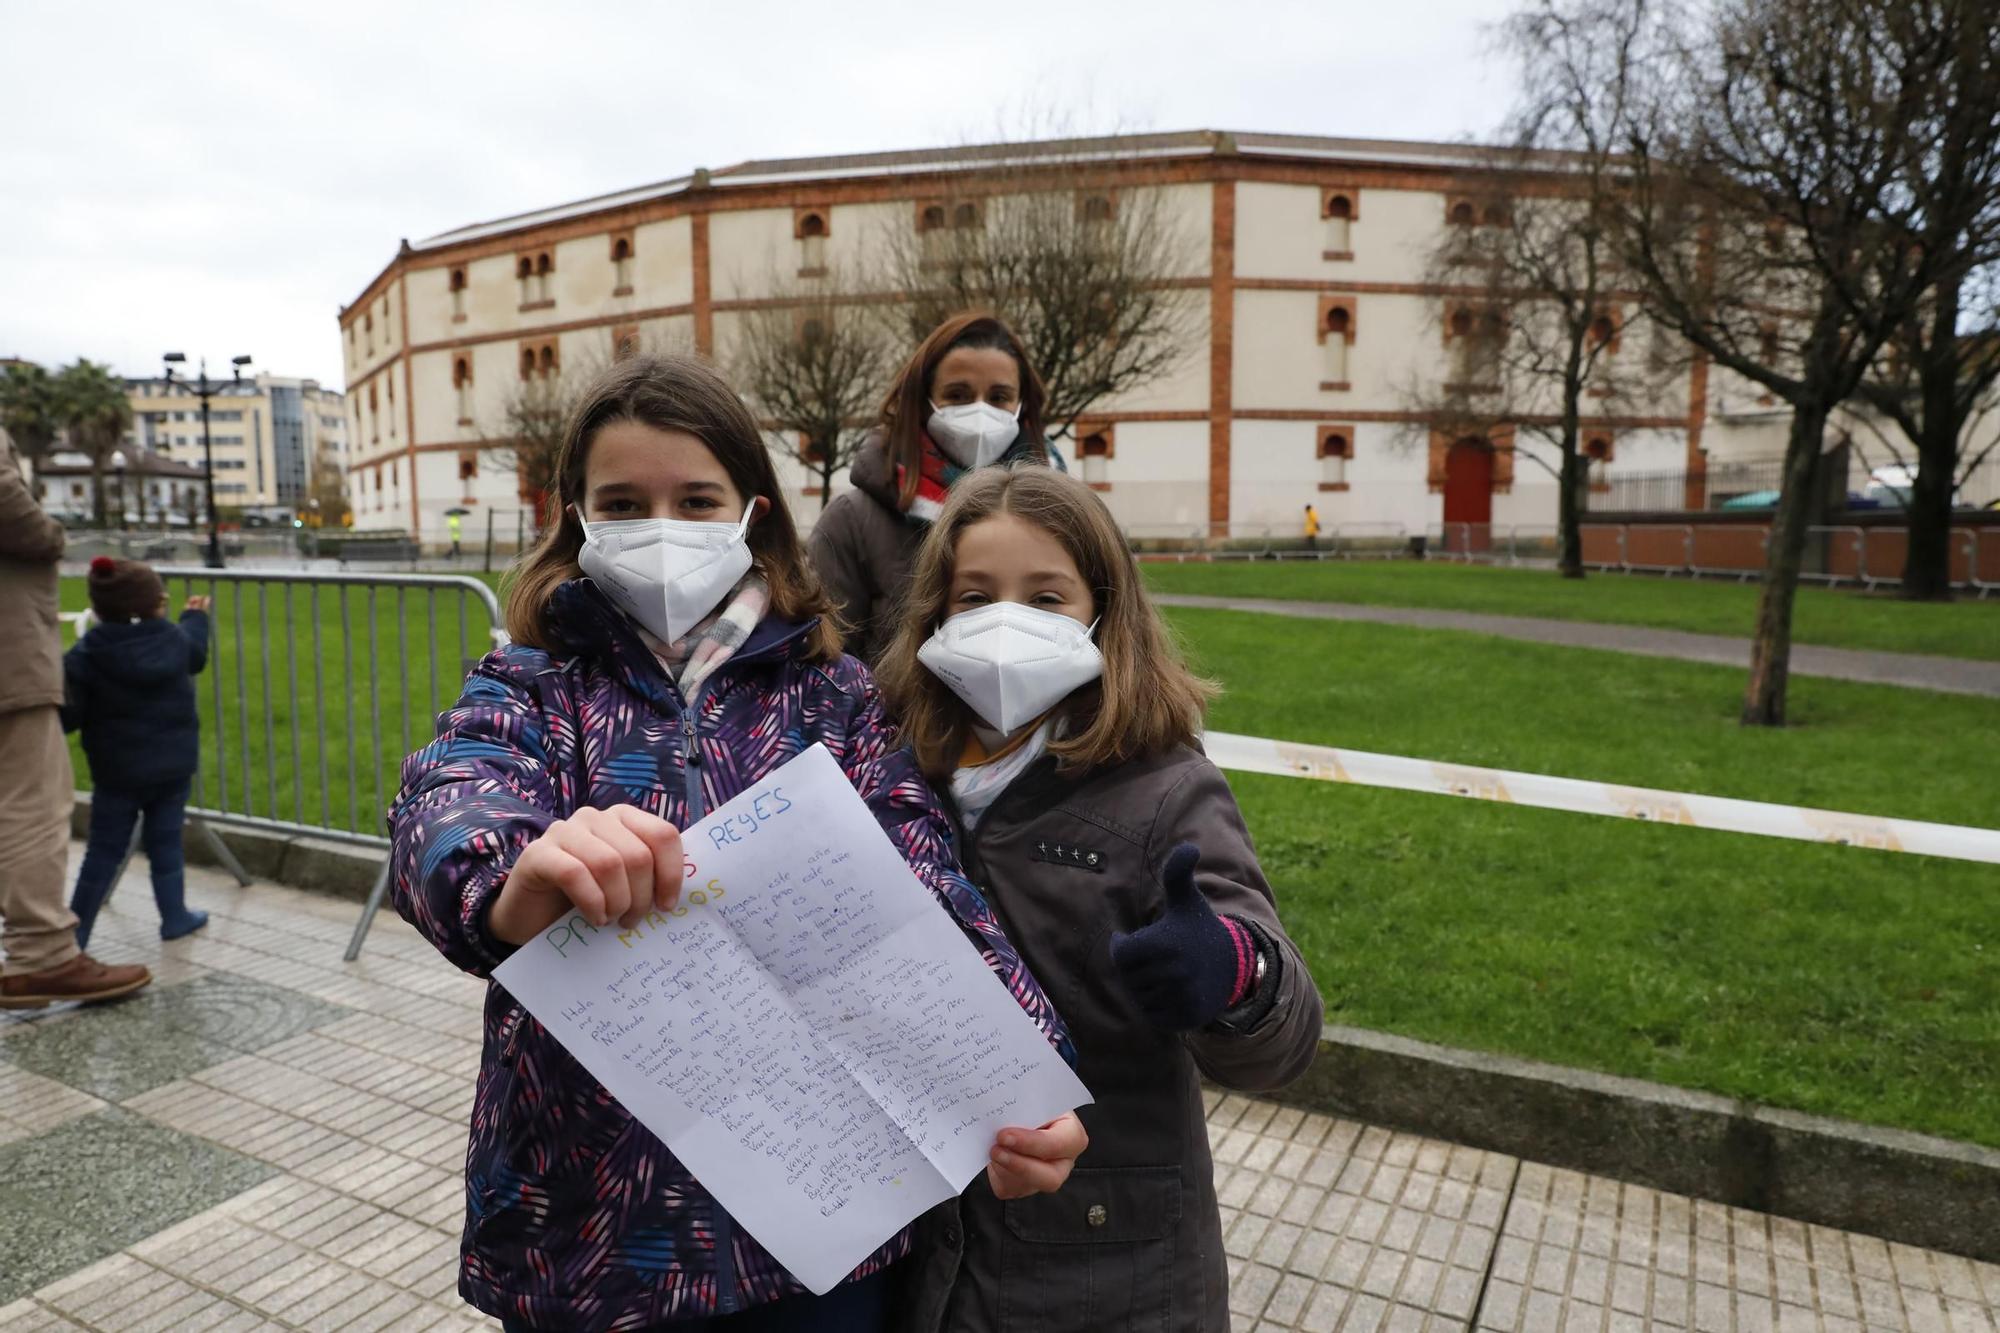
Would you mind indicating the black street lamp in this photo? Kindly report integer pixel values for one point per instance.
(203, 390)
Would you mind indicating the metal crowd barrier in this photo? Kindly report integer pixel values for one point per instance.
(317, 685)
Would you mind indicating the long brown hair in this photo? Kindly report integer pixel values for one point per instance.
(1146, 702)
(683, 394)
(908, 406)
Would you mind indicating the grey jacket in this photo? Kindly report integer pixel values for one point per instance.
(30, 543)
(1134, 1240)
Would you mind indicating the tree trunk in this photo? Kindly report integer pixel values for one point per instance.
(1771, 648)
(1569, 515)
(1927, 559)
(97, 505)
(825, 478)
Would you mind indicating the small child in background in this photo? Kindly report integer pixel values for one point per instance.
(129, 685)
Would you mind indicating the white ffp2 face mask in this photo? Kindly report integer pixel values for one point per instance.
(666, 573)
(974, 435)
(1011, 663)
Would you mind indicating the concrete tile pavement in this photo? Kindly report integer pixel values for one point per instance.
(302, 1123)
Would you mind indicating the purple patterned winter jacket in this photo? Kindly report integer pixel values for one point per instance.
(576, 1216)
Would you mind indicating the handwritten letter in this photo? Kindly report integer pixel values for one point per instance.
(809, 1031)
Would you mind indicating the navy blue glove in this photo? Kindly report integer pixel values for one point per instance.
(1187, 967)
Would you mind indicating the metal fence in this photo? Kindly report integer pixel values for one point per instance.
(317, 685)
(255, 548)
(1867, 556)
(1715, 486)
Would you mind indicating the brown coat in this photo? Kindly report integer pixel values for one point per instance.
(862, 548)
(30, 544)
(1134, 1240)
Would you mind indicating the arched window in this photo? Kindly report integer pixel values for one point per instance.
(621, 265)
(1495, 215)
(544, 266)
(1337, 208)
(548, 360)
(524, 273)
(621, 250)
(1097, 208)
(1461, 214)
(1601, 331)
(1336, 335)
(811, 329)
(457, 294)
(965, 215)
(461, 381)
(458, 279)
(931, 234)
(1096, 446)
(1336, 446)
(527, 363)
(1597, 462)
(812, 231)
(1461, 323)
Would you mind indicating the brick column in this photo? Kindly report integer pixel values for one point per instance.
(704, 314)
(1221, 345)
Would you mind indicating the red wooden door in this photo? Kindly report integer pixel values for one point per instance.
(1468, 497)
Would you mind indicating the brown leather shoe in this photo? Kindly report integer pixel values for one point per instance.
(82, 979)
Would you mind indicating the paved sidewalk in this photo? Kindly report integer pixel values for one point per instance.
(1953, 675)
(271, 1139)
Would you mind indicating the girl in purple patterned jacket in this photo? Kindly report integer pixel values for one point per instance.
(670, 648)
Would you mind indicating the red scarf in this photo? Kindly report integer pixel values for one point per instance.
(935, 474)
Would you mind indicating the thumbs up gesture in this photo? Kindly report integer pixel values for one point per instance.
(1188, 966)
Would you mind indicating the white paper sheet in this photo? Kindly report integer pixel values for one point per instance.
(810, 1032)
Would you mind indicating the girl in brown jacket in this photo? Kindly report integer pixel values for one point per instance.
(1038, 685)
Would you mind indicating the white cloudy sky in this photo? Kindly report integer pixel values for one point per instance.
(218, 177)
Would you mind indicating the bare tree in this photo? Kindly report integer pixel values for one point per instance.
(329, 493)
(1085, 268)
(529, 438)
(1762, 204)
(817, 366)
(1937, 381)
(1531, 317)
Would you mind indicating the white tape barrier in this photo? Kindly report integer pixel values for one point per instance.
(1254, 754)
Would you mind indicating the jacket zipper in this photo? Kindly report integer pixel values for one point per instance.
(725, 1225)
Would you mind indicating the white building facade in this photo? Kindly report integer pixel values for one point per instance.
(266, 433)
(1305, 257)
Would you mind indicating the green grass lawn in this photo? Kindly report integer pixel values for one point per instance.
(1827, 979)
(1841, 618)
